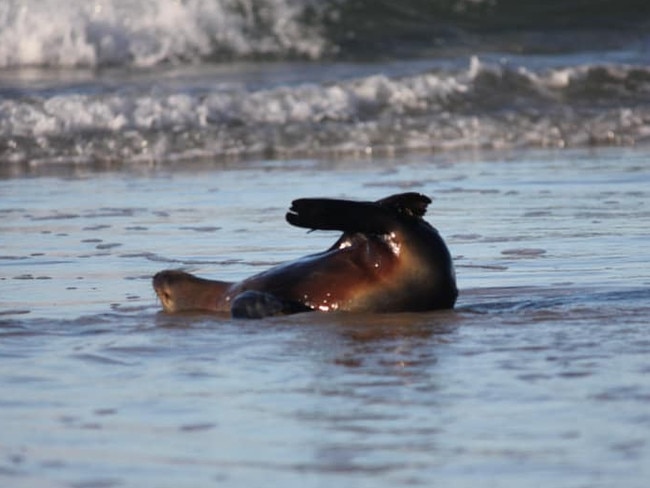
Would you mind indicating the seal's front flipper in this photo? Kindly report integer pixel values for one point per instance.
(253, 304)
(343, 215)
(349, 216)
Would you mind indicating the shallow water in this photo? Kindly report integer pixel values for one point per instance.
(540, 377)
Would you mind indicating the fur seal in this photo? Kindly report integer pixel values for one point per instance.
(388, 259)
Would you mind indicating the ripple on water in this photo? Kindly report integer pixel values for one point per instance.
(524, 252)
(551, 325)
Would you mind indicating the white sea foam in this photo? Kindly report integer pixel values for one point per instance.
(147, 32)
(487, 105)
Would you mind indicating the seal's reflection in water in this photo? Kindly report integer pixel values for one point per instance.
(351, 340)
(396, 337)
(375, 391)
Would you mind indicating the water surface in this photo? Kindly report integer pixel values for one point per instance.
(539, 377)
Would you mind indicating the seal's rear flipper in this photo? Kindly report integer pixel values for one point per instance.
(253, 304)
(350, 216)
(410, 203)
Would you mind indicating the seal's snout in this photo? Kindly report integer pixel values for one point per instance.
(170, 277)
(162, 280)
(181, 291)
(161, 287)
(164, 284)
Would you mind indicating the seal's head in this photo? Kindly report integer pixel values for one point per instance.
(180, 291)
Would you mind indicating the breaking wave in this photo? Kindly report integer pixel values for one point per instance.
(484, 105)
(74, 33)
(99, 33)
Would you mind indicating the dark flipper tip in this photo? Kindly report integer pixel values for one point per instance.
(410, 203)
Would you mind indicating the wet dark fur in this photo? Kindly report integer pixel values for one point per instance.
(388, 259)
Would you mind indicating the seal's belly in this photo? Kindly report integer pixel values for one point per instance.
(338, 279)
